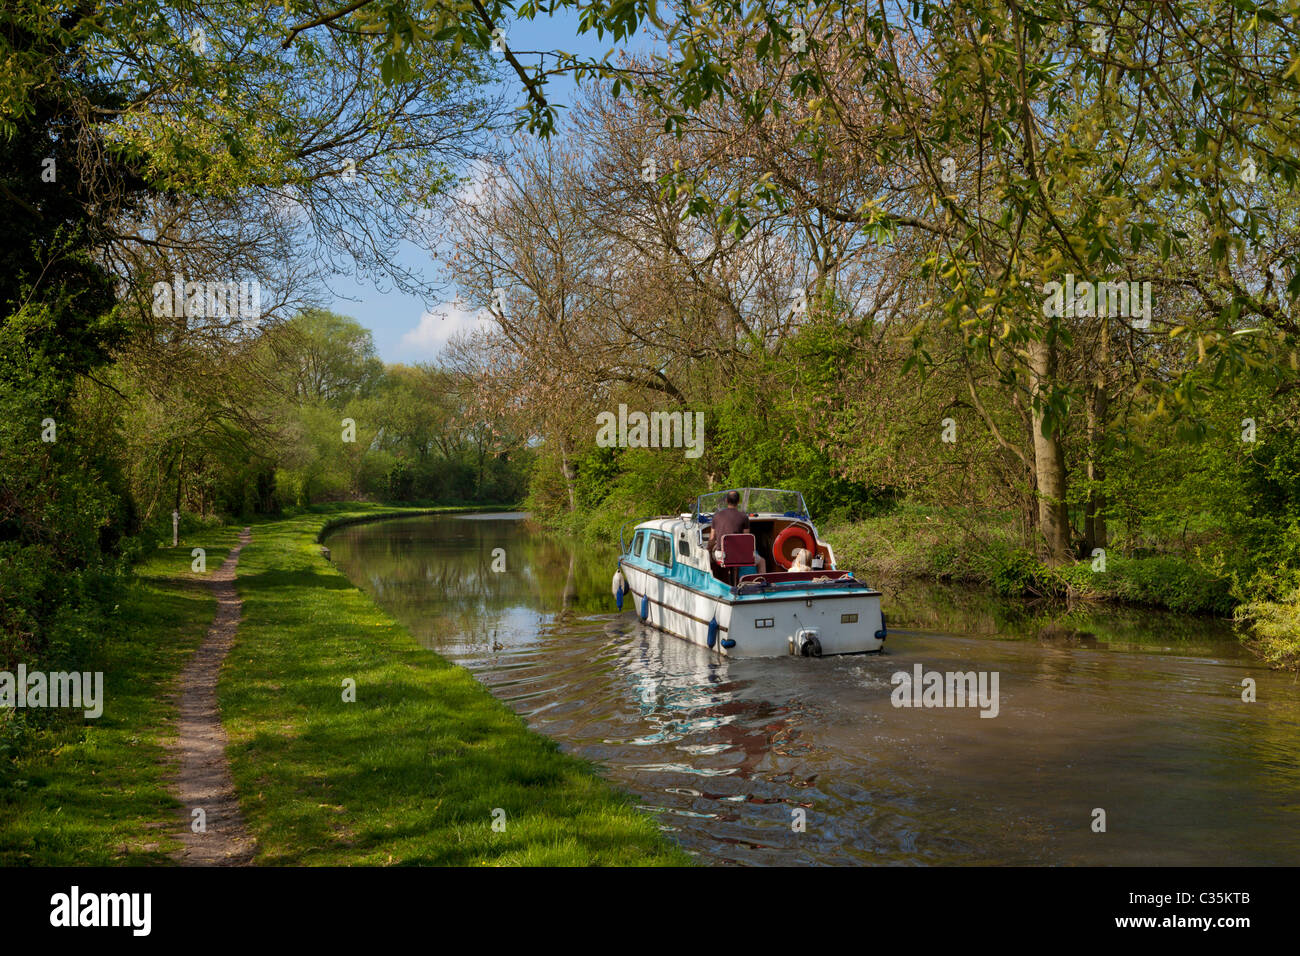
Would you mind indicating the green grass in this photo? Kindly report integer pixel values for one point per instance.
(412, 771)
(94, 792)
(911, 541)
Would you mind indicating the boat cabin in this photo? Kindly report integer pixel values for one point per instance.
(778, 525)
(712, 593)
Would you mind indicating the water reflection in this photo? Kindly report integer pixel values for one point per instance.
(1133, 712)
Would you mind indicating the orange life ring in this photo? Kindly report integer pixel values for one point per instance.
(795, 537)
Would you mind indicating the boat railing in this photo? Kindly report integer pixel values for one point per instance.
(797, 581)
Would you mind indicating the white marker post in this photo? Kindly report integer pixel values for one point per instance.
(176, 528)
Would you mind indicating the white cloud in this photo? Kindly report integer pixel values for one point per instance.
(286, 202)
(439, 324)
(484, 179)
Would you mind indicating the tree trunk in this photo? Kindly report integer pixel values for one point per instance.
(1049, 457)
(478, 481)
(1095, 521)
(180, 473)
(1098, 420)
(570, 476)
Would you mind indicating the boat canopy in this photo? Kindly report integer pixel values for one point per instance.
(754, 501)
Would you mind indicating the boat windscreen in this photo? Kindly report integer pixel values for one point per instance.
(771, 501)
(756, 501)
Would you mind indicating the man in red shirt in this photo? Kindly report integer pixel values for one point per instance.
(731, 520)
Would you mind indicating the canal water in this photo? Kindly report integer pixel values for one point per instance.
(791, 761)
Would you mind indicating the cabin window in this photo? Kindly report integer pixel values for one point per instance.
(637, 543)
(683, 547)
(660, 550)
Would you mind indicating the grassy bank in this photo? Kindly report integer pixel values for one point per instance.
(951, 546)
(94, 792)
(413, 770)
(411, 773)
(938, 545)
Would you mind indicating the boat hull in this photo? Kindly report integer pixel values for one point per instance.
(842, 621)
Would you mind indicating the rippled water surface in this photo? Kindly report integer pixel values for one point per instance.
(1135, 713)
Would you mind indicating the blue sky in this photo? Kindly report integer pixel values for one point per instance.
(406, 329)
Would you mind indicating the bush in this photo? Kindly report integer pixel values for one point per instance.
(1166, 581)
(1273, 616)
(1016, 572)
(1275, 628)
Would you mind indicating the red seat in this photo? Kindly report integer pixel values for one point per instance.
(737, 552)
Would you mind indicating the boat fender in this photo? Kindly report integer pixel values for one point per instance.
(883, 632)
(619, 589)
(713, 632)
(645, 607)
(728, 643)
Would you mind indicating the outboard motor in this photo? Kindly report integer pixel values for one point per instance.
(807, 643)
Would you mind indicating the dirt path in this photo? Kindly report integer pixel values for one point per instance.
(204, 781)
